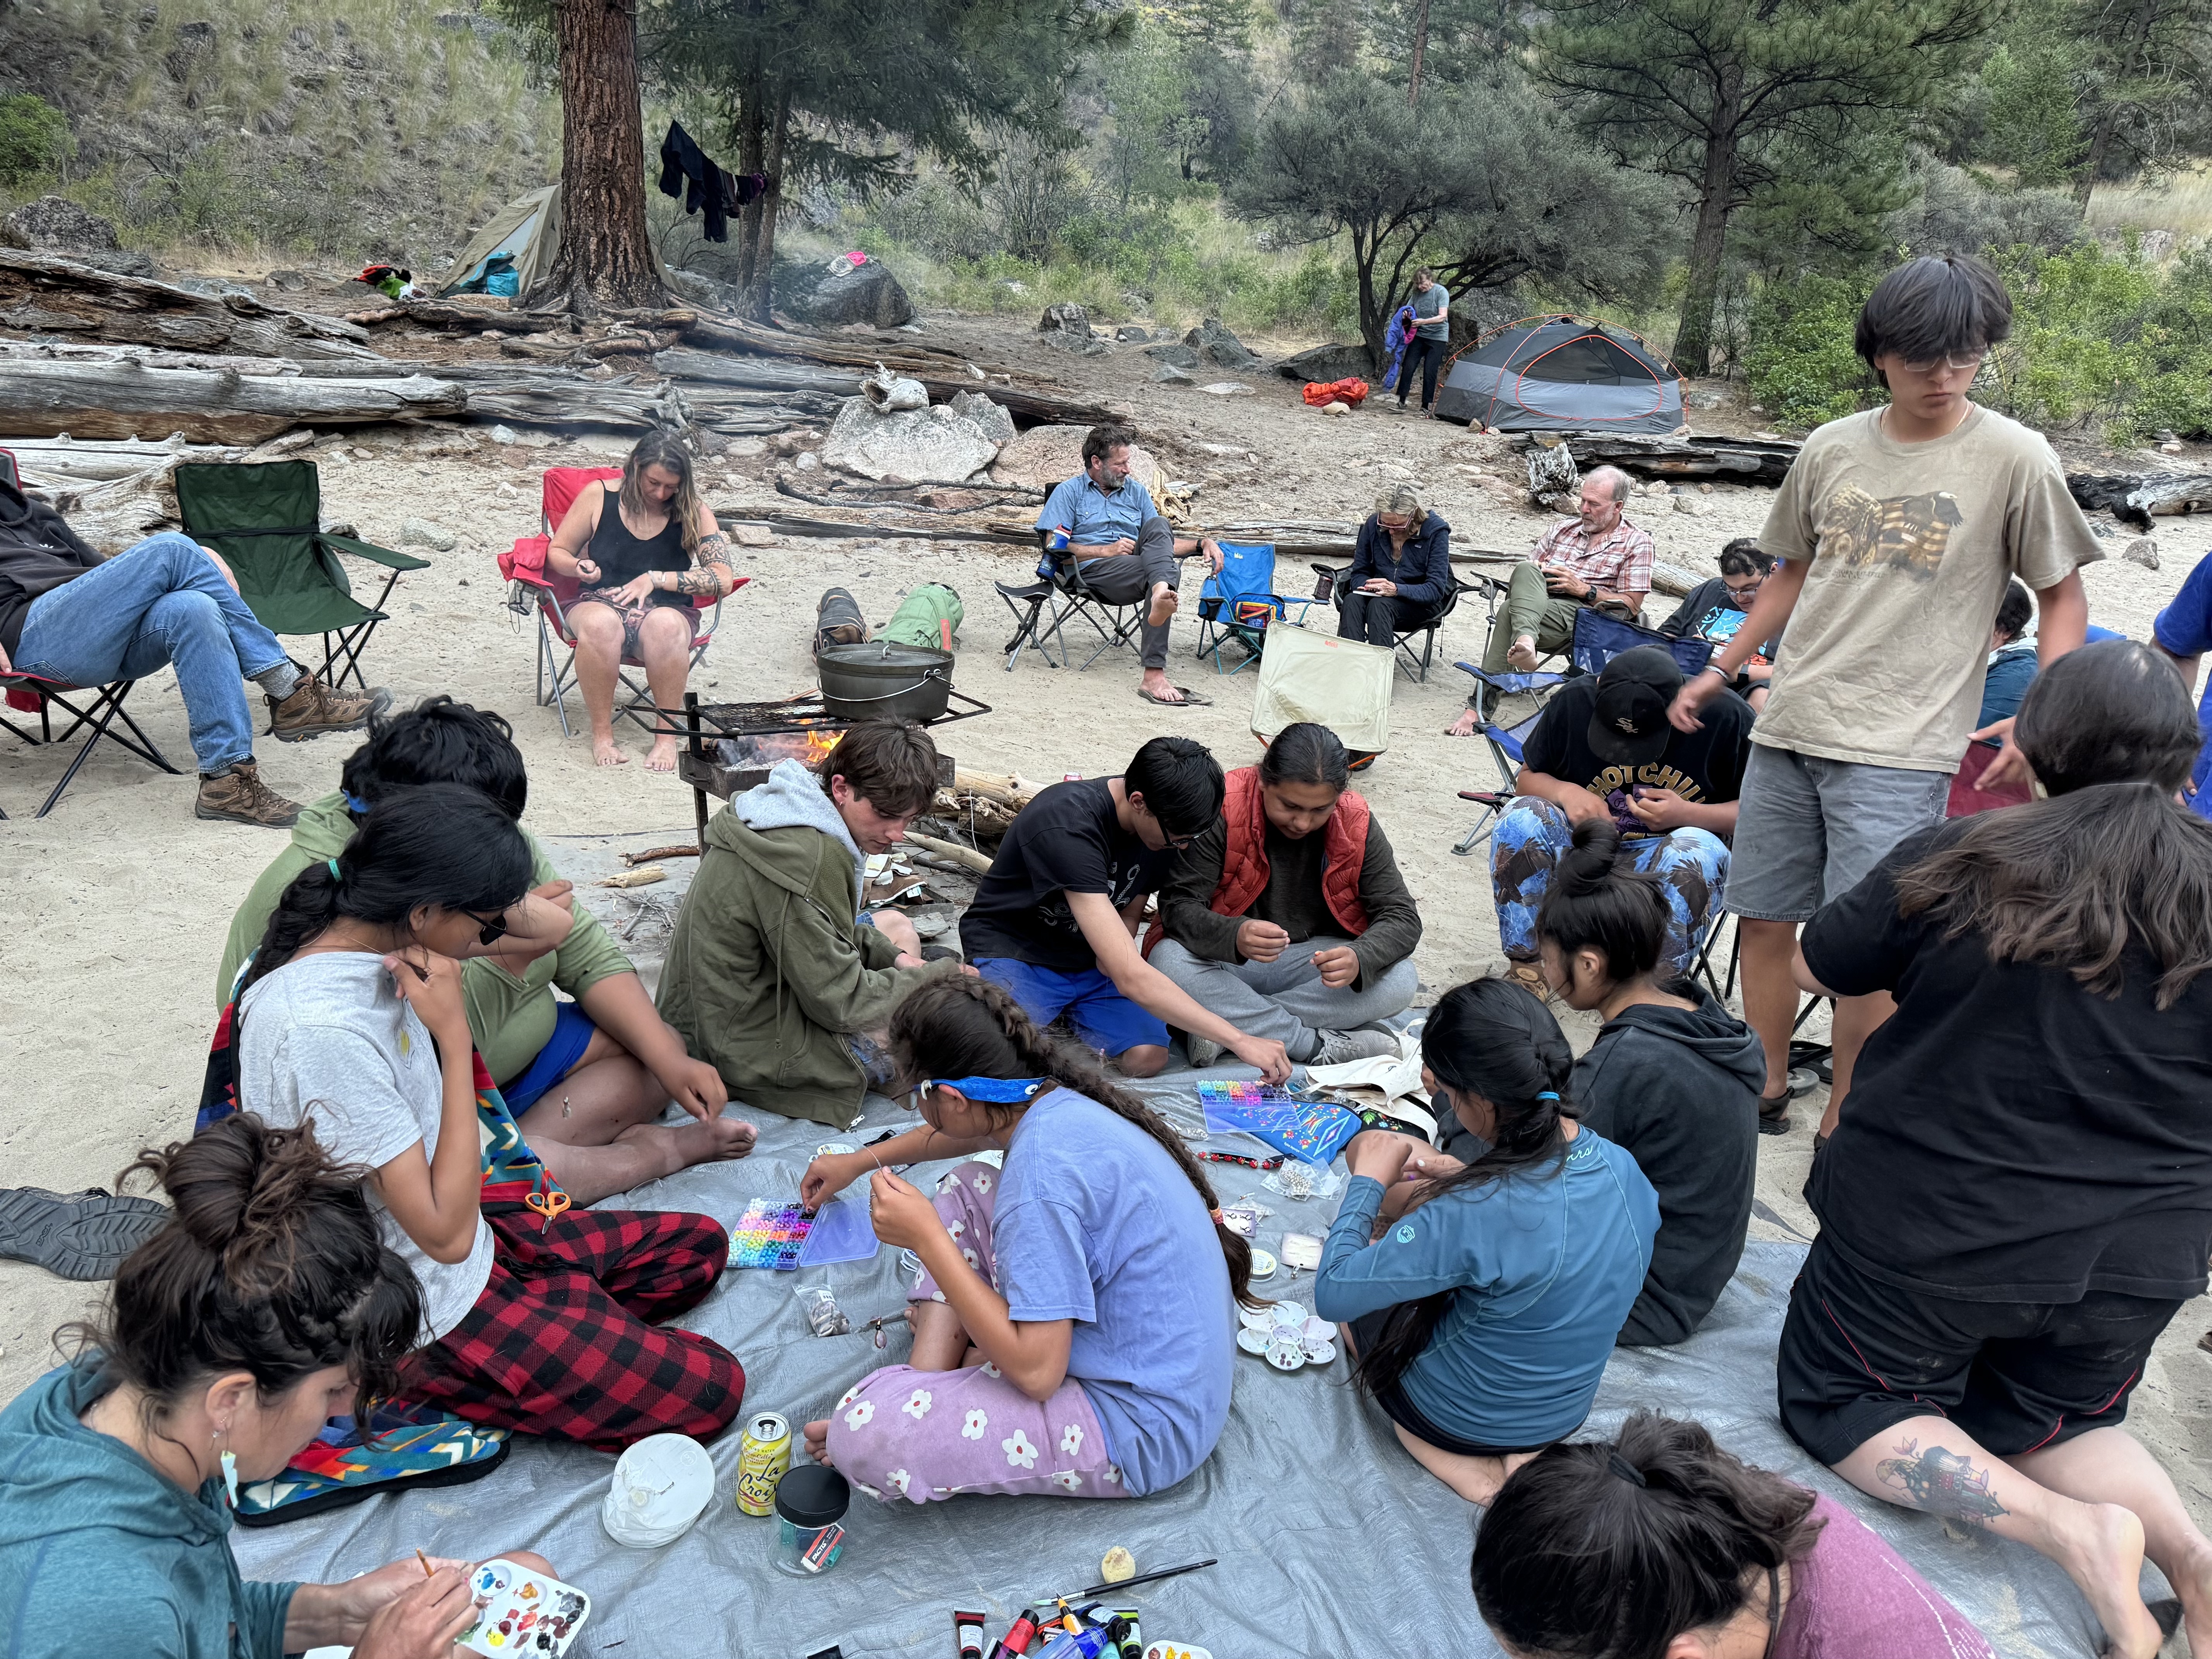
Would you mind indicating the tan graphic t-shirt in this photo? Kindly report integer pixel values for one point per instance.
(1910, 545)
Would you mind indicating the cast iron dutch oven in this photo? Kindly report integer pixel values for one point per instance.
(883, 679)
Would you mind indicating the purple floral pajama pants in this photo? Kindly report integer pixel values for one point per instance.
(923, 1436)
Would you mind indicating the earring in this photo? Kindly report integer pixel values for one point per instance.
(229, 1461)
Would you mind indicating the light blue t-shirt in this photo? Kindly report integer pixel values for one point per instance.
(1093, 516)
(1546, 1265)
(1095, 1223)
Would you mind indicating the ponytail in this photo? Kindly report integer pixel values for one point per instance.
(1491, 1039)
(270, 1263)
(438, 843)
(1600, 901)
(968, 1027)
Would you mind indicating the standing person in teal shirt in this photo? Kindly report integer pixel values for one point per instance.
(1482, 1319)
(267, 1302)
(1430, 340)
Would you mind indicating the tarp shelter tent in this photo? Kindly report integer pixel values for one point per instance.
(527, 232)
(1561, 374)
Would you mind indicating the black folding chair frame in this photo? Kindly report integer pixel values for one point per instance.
(101, 714)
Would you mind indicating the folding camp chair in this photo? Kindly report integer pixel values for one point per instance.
(1043, 610)
(1236, 606)
(1598, 639)
(532, 585)
(1415, 664)
(265, 520)
(32, 693)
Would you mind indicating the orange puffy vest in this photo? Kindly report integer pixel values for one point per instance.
(1244, 860)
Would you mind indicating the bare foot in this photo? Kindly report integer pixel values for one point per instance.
(2104, 1560)
(604, 753)
(817, 1434)
(1522, 658)
(1466, 726)
(1156, 685)
(1164, 601)
(661, 757)
(2194, 1586)
(670, 1150)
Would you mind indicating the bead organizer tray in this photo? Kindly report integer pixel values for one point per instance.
(769, 1235)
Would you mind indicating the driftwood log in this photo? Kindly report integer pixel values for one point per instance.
(2134, 498)
(1029, 406)
(42, 295)
(125, 398)
(1740, 460)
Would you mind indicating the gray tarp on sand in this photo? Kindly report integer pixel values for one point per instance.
(1332, 1541)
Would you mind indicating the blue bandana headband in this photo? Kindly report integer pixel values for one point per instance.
(997, 1091)
(355, 804)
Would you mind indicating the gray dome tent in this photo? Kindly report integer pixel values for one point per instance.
(1562, 373)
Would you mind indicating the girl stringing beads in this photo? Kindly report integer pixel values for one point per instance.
(351, 1018)
(1482, 1318)
(1074, 1327)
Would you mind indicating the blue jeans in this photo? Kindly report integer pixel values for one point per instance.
(161, 602)
(1533, 835)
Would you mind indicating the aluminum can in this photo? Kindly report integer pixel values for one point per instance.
(763, 1459)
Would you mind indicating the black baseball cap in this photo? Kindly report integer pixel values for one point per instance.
(1629, 727)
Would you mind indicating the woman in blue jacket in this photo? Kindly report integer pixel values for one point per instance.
(1400, 574)
(1482, 1318)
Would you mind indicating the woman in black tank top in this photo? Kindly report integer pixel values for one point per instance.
(644, 555)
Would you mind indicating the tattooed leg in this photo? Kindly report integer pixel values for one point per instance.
(1929, 1464)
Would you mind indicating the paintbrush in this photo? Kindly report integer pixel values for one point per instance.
(427, 1570)
(1143, 1578)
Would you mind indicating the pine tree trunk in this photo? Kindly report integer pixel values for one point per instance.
(759, 301)
(604, 257)
(1693, 336)
(750, 127)
(1420, 50)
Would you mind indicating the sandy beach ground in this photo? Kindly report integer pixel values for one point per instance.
(115, 906)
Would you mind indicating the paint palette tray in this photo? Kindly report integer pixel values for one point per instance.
(769, 1235)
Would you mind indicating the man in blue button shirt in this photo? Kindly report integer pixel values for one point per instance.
(1124, 548)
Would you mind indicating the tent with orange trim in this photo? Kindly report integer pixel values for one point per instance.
(1562, 373)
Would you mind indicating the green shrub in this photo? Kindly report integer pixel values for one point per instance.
(34, 138)
(1800, 362)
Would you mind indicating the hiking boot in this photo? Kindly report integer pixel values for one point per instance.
(241, 797)
(1338, 1047)
(313, 708)
(1204, 1054)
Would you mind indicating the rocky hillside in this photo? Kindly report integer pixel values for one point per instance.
(351, 128)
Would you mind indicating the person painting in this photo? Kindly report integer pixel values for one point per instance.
(1999, 1248)
(1713, 610)
(1481, 1320)
(1672, 1078)
(1075, 1322)
(1054, 920)
(1288, 917)
(1602, 749)
(1660, 1544)
(773, 976)
(1899, 530)
(644, 554)
(267, 1302)
(587, 1078)
(1429, 341)
(1126, 550)
(1401, 575)
(352, 1018)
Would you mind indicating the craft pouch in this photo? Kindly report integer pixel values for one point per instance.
(522, 1612)
(842, 1232)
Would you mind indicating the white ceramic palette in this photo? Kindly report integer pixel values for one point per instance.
(1286, 1336)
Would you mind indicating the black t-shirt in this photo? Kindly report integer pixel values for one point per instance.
(1704, 767)
(1067, 841)
(2011, 1136)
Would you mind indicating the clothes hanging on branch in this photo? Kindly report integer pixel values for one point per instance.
(712, 189)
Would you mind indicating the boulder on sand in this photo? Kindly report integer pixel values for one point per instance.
(1065, 317)
(990, 418)
(54, 224)
(1174, 356)
(937, 444)
(1327, 363)
(867, 294)
(1214, 341)
(1046, 455)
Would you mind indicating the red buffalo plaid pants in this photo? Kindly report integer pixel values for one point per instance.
(558, 1344)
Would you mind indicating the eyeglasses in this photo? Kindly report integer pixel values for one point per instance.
(1177, 844)
(1937, 365)
(489, 931)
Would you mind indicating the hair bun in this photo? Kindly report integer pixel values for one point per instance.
(1590, 863)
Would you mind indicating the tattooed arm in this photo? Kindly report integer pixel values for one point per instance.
(710, 572)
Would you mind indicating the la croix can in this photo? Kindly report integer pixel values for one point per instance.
(763, 1458)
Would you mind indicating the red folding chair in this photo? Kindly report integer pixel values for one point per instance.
(532, 585)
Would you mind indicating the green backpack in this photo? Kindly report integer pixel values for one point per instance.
(930, 615)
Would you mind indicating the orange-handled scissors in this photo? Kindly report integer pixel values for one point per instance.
(548, 1207)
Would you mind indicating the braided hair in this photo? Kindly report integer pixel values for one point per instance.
(1488, 1039)
(271, 1263)
(962, 1026)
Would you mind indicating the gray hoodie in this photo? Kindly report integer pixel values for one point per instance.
(793, 798)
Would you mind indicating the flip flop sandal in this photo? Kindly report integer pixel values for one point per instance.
(84, 1236)
(1189, 699)
(1774, 1114)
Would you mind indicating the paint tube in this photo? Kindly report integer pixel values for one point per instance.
(967, 1635)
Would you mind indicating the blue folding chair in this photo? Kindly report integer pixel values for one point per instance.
(1235, 607)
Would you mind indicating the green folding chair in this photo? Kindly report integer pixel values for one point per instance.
(266, 521)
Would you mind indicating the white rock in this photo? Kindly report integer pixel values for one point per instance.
(990, 418)
(1228, 389)
(420, 532)
(2143, 551)
(1690, 505)
(807, 461)
(502, 434)
(925, 446)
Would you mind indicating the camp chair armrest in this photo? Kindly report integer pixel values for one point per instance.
(371, 551)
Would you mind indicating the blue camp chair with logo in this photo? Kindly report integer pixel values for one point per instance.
(1235, 607)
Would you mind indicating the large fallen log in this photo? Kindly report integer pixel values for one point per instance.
(2134, 498)
(796, 364)
(40, 294)
(1741, 460)
(54, 462)
(125, 399)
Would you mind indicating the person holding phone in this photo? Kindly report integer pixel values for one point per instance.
(1400, 574)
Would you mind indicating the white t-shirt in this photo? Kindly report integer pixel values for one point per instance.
(325, 1037)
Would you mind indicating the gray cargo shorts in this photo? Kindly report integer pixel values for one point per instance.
(1809, 829)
